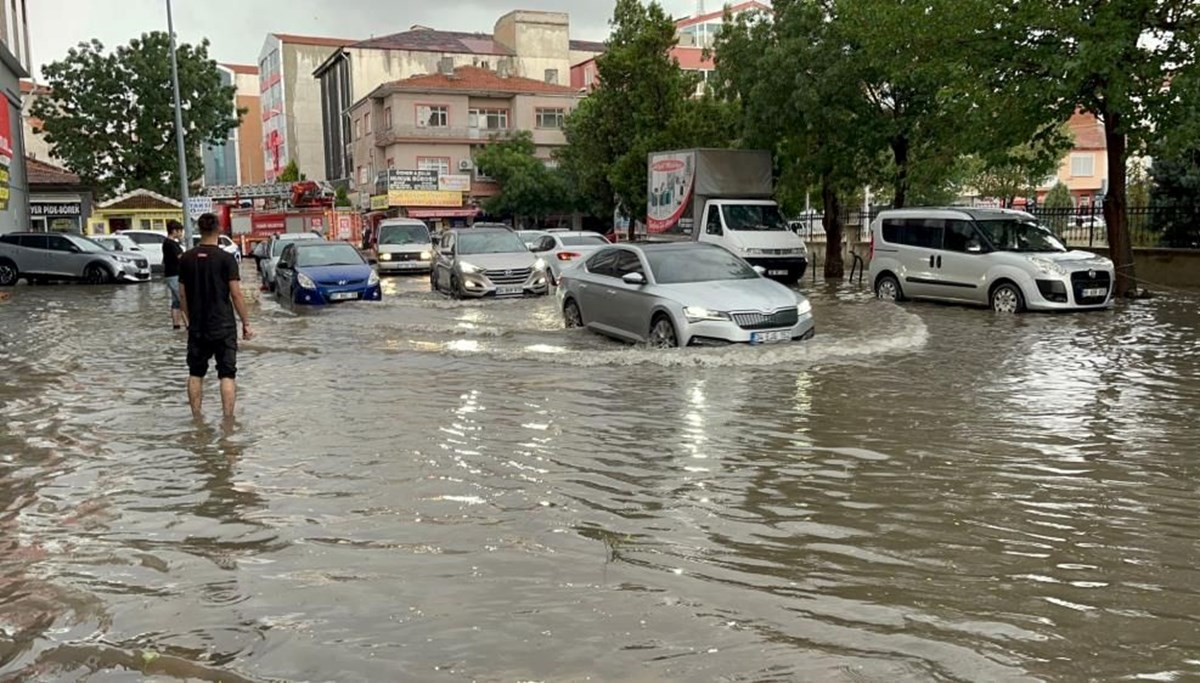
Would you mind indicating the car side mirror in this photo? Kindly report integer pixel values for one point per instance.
(760, 270)
(975, 249)
(636, 279)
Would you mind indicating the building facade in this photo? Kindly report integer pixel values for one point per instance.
(291, 103)
(238, 160)
(136, 210)
(58, 201)
(523, 44)
(1084, 170)
(437, 123)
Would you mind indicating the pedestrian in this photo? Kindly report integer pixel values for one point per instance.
(172, 250)
(210, 289)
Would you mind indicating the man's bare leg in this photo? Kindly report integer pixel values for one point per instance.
(196, 395)
(176, 318)
(228, 396)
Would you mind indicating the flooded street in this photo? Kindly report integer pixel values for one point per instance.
(429, 490)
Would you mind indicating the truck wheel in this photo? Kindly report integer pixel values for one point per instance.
(8, 273)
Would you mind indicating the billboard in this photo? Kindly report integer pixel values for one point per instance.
(672, 181)
(425, 198)
(451, 182)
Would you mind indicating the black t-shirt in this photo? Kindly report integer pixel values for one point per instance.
(205, 273)
(171, 253)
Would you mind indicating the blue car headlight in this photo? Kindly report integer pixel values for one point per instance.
(373, 279)
(305, 281)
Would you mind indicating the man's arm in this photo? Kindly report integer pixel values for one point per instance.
(183, 305)
(239, 305)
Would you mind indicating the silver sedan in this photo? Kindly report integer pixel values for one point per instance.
(681, 294)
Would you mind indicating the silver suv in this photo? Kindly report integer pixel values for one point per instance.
(478, 262)
(990, 257)
(40, 256)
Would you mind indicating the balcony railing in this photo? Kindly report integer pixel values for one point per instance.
(389, 136)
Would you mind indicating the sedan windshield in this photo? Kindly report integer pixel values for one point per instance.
(86, 245)
(757, 217)
(332, 254)
(681, 266)
(404, 234)
(1011, 234)
(583, 240)
(489, 242)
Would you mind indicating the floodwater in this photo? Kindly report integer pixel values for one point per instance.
(427, 490)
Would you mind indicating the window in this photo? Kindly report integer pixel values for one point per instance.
(914, 232)
(713, 226)
(439, 164)
(145, 223)
(962, 237)
(488, 119)
(34, 241)
(387, 118)
(546, 243)
(362, 175)
(604, 262)
(589, 76)
(628, 262)
(433, 116)
(551, 118)
(552, 76)
(59, 243)
(367, 123)
(1083, 165)
(357, 128)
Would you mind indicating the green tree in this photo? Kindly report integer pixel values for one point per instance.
(110, 115)
(528, 188)
(1058, 204)
(291, 173)
(1132, 63)
(1176, 198)
(341, 197)
(1019, 173)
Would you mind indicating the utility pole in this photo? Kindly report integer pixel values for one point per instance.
(180, 145)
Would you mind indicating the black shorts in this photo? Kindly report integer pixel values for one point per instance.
(202, 350)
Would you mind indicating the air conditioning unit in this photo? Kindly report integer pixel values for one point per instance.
(465, 165)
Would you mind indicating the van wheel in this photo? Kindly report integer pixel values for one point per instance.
(1007, 298)
(887, 288)
(95, 274)
(8, 273)
(662, 333)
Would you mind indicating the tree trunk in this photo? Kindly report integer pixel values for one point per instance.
(900, 183)
(835, 266)
(1120, 246)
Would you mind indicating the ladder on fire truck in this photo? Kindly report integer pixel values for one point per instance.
(260, 191)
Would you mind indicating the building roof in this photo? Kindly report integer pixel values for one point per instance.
(474, 79)
(588, 46)
(422, 39)
(244, 69)
(740, 7)
(42, 173)
(692, 58)
(141, 199)
(312, 40)
(31, 87)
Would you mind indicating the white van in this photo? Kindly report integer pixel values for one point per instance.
(990, 257)
(403, 245)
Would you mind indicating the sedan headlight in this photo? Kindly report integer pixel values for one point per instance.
(697, 314)
(1047, 266)
(426, 256)
(804, 307)
(469, 268)
(539, 264)
(385, 257)
(754, 252)
(305, 281)
(372, 279)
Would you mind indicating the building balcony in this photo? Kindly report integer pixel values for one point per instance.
(395, 134)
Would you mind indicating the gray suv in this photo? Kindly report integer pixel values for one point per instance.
(40, 256)
(478, 262)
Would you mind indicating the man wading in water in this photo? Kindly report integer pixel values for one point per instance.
(171, 253)
(210, 290)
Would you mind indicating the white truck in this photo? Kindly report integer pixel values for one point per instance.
(724, 196)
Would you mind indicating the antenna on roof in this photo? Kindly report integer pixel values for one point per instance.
(699, 8)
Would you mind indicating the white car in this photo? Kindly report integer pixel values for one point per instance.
(562, 250)
(123, 244)
(227, 245)
(151, 242)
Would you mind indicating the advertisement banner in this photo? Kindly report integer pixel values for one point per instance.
(379, 202)
(345, 227)
(4, 191)
(6, 138)
(451, 182)
(403, 179)
(672, 180)
(425, 198)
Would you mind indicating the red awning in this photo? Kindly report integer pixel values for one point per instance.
(442, 213)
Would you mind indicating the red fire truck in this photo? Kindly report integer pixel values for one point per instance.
(252, 213)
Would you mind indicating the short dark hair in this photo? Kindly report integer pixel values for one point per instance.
(208, 224)
(174, 226)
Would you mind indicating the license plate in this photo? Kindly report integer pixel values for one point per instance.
(511, 290)
(343, 296)
(1094, 293)
(777, 272)
(770, 337)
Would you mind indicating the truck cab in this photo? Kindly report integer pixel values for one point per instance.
(755, 230)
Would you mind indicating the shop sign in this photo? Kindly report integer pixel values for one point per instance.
(345, 227)
(54, 209)
(4, 191)
(451, 182)
(404, 179)
(425, 198)
(6, 145)
(379, 202)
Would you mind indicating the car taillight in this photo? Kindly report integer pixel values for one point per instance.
(567, 256)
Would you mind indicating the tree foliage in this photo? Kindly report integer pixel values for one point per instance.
(1176, 198)
(528, 188)
(291, 173)
(110, 115)
(1020, 172)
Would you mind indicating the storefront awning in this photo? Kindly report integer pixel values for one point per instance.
(442, 213)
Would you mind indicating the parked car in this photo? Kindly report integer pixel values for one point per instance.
(317, 272)
(151, 243)
(531, 237)
(478, 262)
(277, 244)
(122, 243)
(991, 257)
(681, 294)
(40, 256)
(404, 246)
(226, 243)
(563, 249)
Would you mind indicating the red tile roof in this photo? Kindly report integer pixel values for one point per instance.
(42, 173)
(245, 69)
(421, 39)
(30, 86)
(742, 7)
(692, 58)
(475, 79)
(312, 40)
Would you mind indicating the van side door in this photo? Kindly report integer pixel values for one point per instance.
(961, 268)
(917, 243)
(712, 227)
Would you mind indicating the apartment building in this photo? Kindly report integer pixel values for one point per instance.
(36, 146)
(524, 44)
(435, 124)
(290, 100)
(1084, 170)
(15, 64)
(239, 159)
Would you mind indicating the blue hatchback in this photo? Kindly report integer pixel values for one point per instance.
(317, 273)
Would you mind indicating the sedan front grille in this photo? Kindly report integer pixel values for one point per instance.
(784, 317)
(516, 276)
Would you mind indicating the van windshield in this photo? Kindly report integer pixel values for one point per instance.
(1010, 234)
(753, 217)
(403, 234)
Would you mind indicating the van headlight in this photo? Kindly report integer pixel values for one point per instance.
(385, 257)
(754, 252)
(426, 256)
(1047, 266)
(305, 281)
(804, 307)
(697, 314)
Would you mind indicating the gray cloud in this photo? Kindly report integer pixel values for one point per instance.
(237, 28)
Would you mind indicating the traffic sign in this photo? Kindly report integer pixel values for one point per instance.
(198, 206)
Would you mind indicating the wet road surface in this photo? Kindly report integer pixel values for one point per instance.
(430, 490)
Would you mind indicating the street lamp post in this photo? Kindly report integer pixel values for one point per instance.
(180, 145)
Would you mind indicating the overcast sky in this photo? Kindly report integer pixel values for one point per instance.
(237, 28)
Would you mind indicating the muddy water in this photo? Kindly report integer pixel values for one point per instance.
(433, 491)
